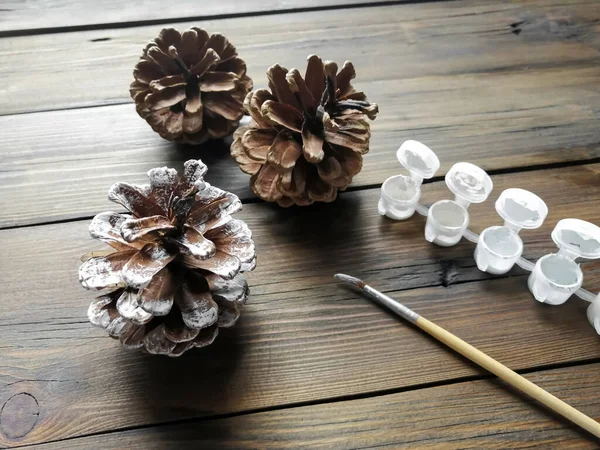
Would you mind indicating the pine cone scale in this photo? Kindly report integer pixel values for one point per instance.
(284, 151)
(265, 182)
(282, 114)
(312, 145)
(155, 342)
(234, 65)
(223, 104)
(193, 121)
(229, 313)
(253, 103)
(218, 81)
(146, 263)
(167, 38)
(157, 298)
(106, 227)
(127, 305)
(134, 229)
(163, 60)
(196, 244)
(315, 76)
(257, 143)
(210, 59)
(103, 272)
(178, 332)
(279, 86)
(146, 72)
(198, 310)
(133, 199)
(133, 336)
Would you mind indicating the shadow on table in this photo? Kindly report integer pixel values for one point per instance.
(195, 385)
(320, 234)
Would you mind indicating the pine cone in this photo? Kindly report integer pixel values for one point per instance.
(307, 136)
(190, 87)
(174, 274)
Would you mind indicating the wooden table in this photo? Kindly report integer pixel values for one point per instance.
(513, 87)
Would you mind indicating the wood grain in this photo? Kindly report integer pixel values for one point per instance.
(301, 337)
(392, 47)
(40, 15)
(451, 74)
(510, 377)
(481, 414)
(61, 164)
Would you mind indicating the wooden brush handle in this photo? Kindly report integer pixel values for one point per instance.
(508, 375)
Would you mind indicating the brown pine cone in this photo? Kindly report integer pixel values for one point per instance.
(174, 274)
(307, 135)
(190, 87)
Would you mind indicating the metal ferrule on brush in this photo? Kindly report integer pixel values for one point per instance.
(388, 302)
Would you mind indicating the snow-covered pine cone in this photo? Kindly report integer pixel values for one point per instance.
(174, 276)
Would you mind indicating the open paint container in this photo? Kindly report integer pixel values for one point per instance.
(447, 220)
(557, 276)
(499, 247)
(400, 194)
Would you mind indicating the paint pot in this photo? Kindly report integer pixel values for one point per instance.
(400, 194)
(446, 223)
(447, 220)
(499, 247)
(399, 197)
(554, 279)
(557, 276)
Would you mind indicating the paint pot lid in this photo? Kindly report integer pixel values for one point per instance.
(578, 238)
(418, 159)
(521, 208)
(469, 182)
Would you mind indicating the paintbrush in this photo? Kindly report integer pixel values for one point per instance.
(477, 356)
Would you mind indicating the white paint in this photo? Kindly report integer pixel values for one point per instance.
(399, 196)
(502, 241)
(560, 270)
(446, 223)
(498, 249)
(554, 279)
(449, 214)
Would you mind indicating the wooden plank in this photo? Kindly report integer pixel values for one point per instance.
(18, 17)
(499, 115)
(389, 45)
(301, 337)
(61, 164)
(480, 414)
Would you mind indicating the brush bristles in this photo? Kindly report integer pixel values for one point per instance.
(360, 284)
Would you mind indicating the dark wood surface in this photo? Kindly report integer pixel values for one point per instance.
(452, 75)
(437, 50)
(478, 414)
(513, 87)
(39, 16)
